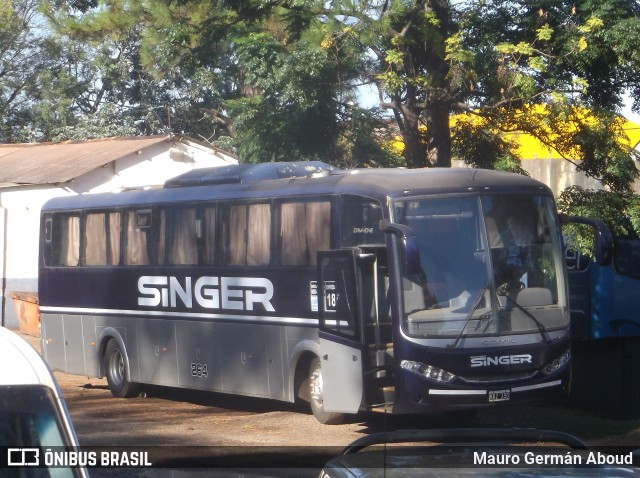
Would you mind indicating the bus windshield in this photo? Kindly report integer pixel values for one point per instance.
(490, 265)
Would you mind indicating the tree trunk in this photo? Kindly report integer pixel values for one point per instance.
(414, 147)
(437, 108)
(438, 136)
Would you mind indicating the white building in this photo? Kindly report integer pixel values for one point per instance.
(31, 174)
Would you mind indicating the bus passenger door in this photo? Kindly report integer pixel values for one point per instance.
(340, 331)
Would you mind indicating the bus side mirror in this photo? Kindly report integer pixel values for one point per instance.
(408, 244)
(603, 238)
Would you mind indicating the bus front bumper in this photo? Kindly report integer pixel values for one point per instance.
(422, 397)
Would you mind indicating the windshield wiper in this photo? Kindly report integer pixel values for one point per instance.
(476, 304)
(543, 333)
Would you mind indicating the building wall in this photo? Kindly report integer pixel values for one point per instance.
(558, 174)
(20, 208)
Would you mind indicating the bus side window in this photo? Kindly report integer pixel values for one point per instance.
(304, 230)
(70, 241)
(183, 247)
(101, 239)
(135, 252)
(208, 230)
(62, 240)
(259, 235)
(144, 242)
(360, 219)
(114, 237)
(293, 235)
(248, 233)
(236, 228)
(94, 241)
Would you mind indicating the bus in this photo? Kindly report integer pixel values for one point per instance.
(405, 291)
(605, 324)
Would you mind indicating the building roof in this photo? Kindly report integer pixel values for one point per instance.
(54, 163)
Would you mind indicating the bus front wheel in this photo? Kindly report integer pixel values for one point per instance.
(116, 372)
(316, 396)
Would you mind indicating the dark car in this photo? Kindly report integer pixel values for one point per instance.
(478, 453)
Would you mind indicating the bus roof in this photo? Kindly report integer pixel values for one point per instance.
(375, 183)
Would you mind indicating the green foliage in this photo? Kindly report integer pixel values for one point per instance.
(619, 210)
(278, 77)
(364, 141)
(481, 146)
(30, 74)
(292, 115)
(295, 112)
(107, 122)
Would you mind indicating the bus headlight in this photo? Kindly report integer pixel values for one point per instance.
(556, 364)
(427, 371)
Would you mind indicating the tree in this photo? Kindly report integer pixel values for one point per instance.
(267, 81)
(29, 60)
(620, 210)
(566, 59)
(258, 71)
(130, 86)
(491, 60)
(299, 107)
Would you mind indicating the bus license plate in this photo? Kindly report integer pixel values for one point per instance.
(499, 395)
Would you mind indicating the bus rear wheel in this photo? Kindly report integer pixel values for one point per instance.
(316, 397)
(116, 372)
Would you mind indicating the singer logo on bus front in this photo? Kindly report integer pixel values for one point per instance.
(485, 361)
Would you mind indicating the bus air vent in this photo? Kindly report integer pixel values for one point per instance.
(248, 173)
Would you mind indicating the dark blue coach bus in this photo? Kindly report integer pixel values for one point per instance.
(384, 289)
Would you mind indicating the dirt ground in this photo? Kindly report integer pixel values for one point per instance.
(167, 416)
(164, 416)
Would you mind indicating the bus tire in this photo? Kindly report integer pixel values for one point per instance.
(316, 396)
(115, 370)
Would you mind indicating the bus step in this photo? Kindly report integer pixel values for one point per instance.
(378, 372)
(388, 393)
(384, 346)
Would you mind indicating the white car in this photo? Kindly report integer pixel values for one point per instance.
(33, 414)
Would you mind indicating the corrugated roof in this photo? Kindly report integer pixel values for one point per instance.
(53, 163)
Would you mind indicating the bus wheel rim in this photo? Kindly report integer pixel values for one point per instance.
(116, 367)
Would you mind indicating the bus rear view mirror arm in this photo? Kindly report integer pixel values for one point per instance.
(409, 245)
(604, 238)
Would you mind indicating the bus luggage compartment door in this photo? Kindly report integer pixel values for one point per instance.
(340, 331)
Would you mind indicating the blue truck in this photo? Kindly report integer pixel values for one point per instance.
(604, 289)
